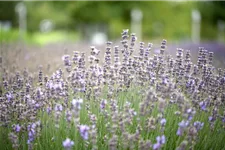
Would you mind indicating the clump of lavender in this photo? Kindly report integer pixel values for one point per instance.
(120, 102)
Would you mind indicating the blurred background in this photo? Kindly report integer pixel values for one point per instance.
(53, 21)
(183, 23)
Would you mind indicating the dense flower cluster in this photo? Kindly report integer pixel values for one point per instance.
(132, 98)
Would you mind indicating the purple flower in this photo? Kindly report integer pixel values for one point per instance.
(68, 116)
(65, 57)
(67, 144)
(37, 105)
(39, 93)
(31, 136)
(38, 123)
(202, 105)
(156, 146)
(84, 131)
(133, 38)
(95, 51)
(132, 112)
(198, 125)
(182, 125)
(210, 118)
(77, 103)
(49, 84)
(103, 104)
(83, 89)
(57, 86)
(160, 141)
(48, 110)
(189, 110)
(179, 131)
(17, 128)
(190, 117)
(9, 96)
(66, 60)
(190, 113)
(163, 122)
(223, 119)
(58, 107)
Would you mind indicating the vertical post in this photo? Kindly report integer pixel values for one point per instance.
(221, 30)
(196, 26)
(21, 10)
(136, 22)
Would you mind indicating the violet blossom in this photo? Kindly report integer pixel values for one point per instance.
(84, 131)
(160, 141)
(67, 144)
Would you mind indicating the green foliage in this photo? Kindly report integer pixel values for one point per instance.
(168, 20)
(53, 37)
(211, 12)
(9, 36)
(38, 11)
(37, 38)
(160, 19)
(171, 20)
(7, 11)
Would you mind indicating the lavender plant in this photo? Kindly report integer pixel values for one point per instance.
(133, 98)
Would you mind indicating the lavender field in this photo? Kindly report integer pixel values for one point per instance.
(123, 95)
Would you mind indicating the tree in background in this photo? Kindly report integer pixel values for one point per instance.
(211, 11)
(7, 12)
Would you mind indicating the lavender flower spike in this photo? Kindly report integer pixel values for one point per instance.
(103, 104)
(84, 131)
(182, 125)
(67, 144)
(160, 141)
